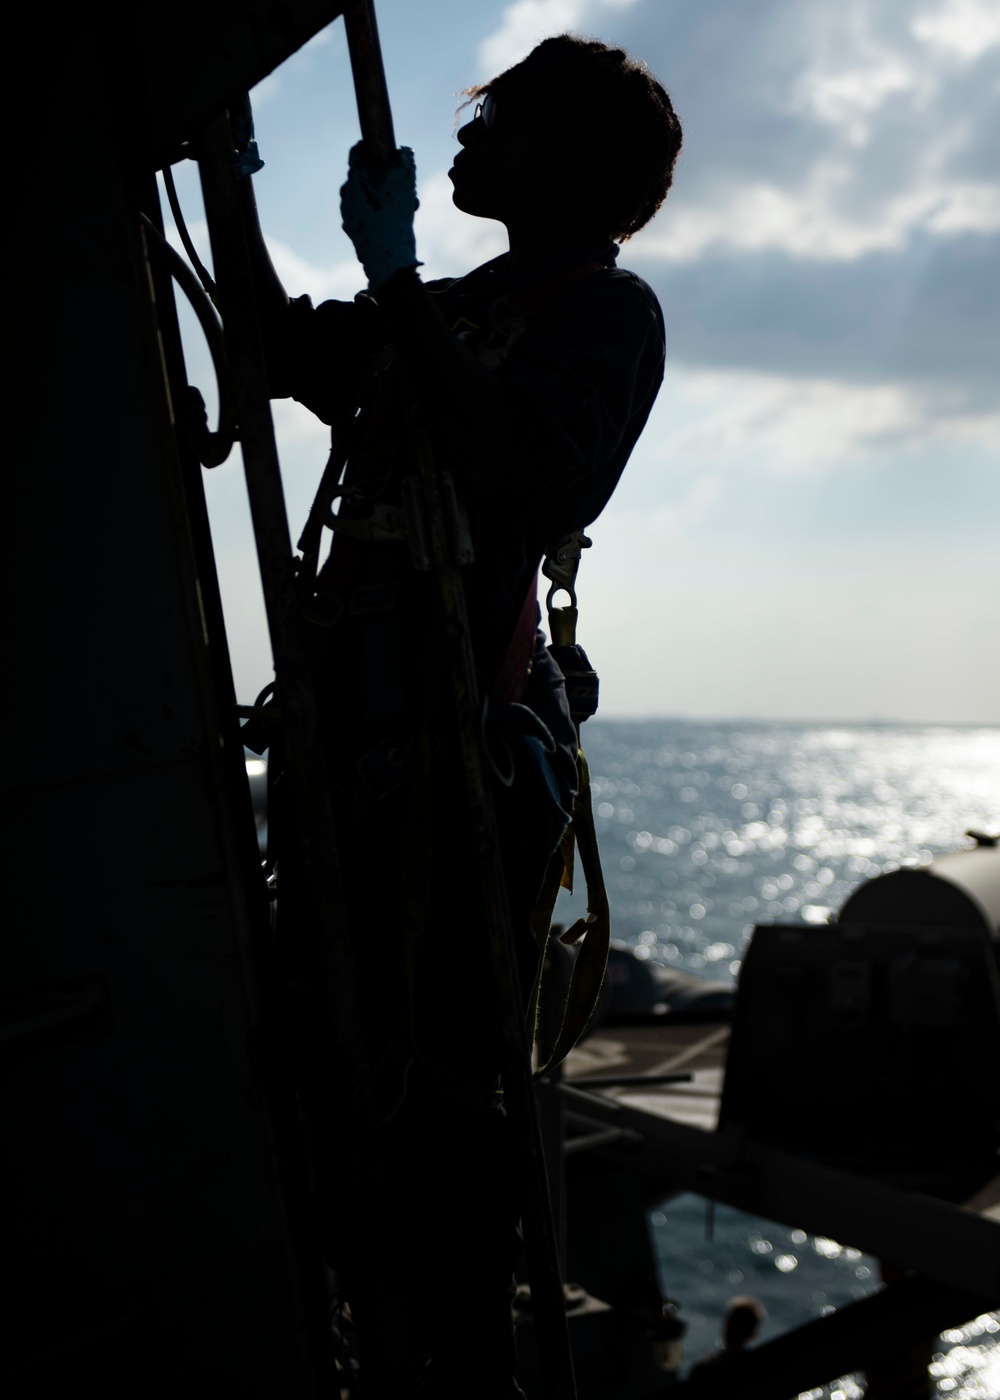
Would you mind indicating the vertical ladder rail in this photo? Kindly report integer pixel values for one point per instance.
(328, 976)
(370, 87)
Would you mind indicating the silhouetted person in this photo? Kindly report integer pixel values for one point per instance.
(743, 1321)
(532, 377)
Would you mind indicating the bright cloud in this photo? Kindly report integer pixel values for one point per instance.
(300, 277)
(852, 70)
(526, 22)
(816, 221)
(881, 107)
(966, 28)
(722, 419)
(851, 98)
(860, 131)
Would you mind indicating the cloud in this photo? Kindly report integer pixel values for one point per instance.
(851, 97)
(340, 281)
(669, 520)
(813, 497)
(928, 317)
(723, 421)
(812, 221)
(527, 22)
(782, 545)
(449, 242)
(836, 213)
(801, 424)
(966, 28)
(827, 133)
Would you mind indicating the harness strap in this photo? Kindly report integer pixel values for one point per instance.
(560, 566)
(595, 929)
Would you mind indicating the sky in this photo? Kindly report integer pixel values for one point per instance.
(809, 527)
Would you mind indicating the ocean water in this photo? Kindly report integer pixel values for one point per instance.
(707, 828)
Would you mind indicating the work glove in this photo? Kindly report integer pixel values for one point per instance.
(377, 205)
(245, 152)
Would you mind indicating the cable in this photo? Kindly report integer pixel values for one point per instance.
(212, 448)
(175, 208)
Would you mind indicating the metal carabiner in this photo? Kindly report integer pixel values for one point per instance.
(562, 564)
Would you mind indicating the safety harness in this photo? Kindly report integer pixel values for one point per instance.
(560, 566)
(325, 594)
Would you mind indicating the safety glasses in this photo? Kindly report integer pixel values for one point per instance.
(485, 111)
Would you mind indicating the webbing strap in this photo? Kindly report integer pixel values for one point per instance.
(595, 930)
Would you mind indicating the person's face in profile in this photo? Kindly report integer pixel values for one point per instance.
(503, 170)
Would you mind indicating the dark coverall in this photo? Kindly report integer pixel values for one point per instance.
(420, 1215)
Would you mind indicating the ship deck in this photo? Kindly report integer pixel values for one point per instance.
(695, 1049)
(948, 1238)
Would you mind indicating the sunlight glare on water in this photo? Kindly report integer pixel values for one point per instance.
(707, 828)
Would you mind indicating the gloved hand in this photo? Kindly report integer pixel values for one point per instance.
(377, 205)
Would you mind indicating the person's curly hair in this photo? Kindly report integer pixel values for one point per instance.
(621, 134)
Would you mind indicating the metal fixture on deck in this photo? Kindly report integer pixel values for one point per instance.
(851, 1033)
(845, 1035)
